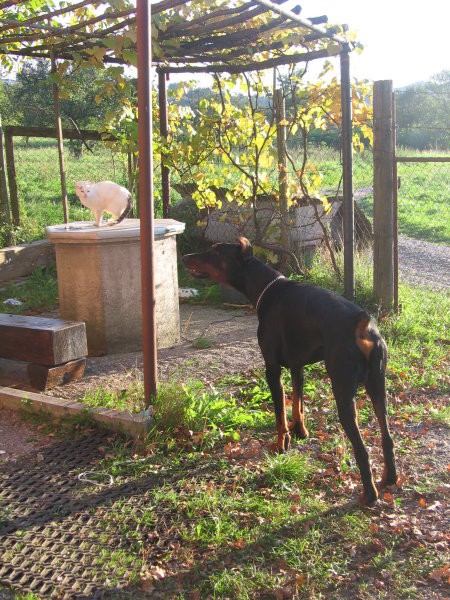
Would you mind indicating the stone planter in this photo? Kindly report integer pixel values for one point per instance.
(99, 282)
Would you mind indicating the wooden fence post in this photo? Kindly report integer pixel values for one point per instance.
(4, 201)
(383, 191)
(12, 179)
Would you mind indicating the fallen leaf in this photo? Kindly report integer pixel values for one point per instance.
(439, 574)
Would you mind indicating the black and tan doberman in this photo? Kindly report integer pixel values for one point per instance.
(300, 324)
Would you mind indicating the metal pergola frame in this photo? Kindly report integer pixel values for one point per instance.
(231, 37)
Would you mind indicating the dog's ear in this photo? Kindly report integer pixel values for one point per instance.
(246, 248)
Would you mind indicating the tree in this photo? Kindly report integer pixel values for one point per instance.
(31, 95)
(423, 113)
(240, 139)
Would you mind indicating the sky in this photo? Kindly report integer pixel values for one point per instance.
(404, 40)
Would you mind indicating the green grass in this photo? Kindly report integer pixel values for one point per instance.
(213, 526)
(418, 340)
(38, 292)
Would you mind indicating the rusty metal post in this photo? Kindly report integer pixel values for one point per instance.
(164, 131)
(59, 136)
(146, 199)
(347, 179)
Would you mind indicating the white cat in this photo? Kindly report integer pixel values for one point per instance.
(105, 196)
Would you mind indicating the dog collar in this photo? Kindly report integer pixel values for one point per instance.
(265, 290)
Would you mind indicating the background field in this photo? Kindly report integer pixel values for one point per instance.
(424, 195)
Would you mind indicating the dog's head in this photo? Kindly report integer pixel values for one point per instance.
(223, 263)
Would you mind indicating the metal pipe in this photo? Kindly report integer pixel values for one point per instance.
(59, 137)
(143, 18)
(347, 160)
(164, 131)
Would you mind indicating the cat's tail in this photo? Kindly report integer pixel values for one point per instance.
(126, 212)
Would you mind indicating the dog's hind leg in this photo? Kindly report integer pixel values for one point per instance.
(273, 376)
(376, 389)
(297, 427)
(345, 384)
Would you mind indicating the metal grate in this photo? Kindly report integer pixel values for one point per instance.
(54, 528)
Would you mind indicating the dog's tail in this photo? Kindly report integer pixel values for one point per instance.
(363, 335)
(126, 212)
(370, 342)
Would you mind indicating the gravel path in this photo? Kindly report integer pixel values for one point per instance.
(424, 263)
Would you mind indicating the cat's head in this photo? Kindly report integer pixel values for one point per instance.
(83, 187)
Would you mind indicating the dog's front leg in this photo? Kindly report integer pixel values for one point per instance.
(273, 376)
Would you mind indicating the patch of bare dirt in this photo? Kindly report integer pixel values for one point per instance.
(229, 333)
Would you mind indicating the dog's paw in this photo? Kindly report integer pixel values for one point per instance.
(298, 431)
(388, 479)
(283, 442)
(368, 498)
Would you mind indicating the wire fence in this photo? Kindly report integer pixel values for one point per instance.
(423, 163)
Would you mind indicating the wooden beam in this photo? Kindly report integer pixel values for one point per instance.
(414, 159)
(225, 12)
(285, 59)
(44, 378)
(50, 132)
(55, 13)
(192, 29)
(41, 340)
(166, 5)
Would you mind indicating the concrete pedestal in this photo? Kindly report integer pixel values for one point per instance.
(99, 282)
